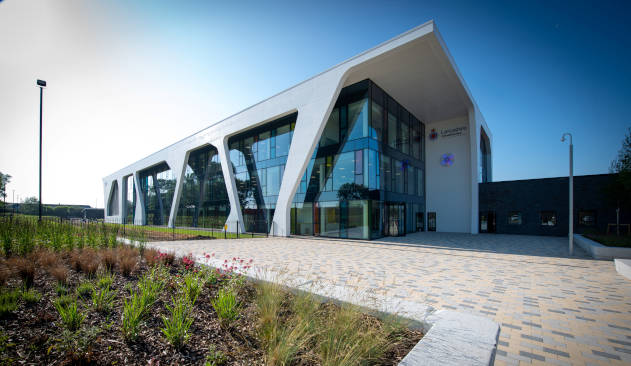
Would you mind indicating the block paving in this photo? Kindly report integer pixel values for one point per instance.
(552, 308)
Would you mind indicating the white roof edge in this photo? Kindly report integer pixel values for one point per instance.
(382, 44)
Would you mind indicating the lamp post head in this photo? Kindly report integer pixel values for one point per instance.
(41, 83)
(566, 134)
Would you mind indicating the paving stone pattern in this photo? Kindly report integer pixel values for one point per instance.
(552, 309)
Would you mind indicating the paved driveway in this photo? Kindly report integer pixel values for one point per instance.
(551, 308)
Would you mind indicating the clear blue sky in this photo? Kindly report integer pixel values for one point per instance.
(163, 70)
(536, 68)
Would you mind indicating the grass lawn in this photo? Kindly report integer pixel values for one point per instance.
(194, 232)
(611, 240)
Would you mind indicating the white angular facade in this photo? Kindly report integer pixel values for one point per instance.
(414, 68)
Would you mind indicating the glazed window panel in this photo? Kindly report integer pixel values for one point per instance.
(548, 218)
(420, 186)
(403, 141)
(514, 218)
(329, 218)
(130, 200)
(373, 169)
(204, 198)
(257, 176)
(392, 130)
(587, 217)
(416, 138)
(387, 172)
(343, 172)
(283, 140)
(376, 121)
(263, 146)
(358, 119)
(331, 133)
(398, 176)
(411, 180)
(358, 220)
(158, 187)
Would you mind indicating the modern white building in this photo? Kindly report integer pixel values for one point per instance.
(388, 142)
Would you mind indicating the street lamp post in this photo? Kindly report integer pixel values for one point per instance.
(571, 216)
(41, 84)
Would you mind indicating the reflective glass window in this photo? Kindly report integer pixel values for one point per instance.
(392, 130)
(331, 133)
(398, 176)
(358, 119)
(373, 169)
(263, 146)
(343, 171)
(403, 141)
(283, 140)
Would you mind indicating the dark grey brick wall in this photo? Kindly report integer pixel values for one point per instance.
(532, 196)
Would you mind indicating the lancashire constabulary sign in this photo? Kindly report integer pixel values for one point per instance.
(450, 132)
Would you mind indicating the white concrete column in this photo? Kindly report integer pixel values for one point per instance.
(106, 196)
(231, 186)
(310, 123)
(474, 145)
(139, 218)
(178, 167)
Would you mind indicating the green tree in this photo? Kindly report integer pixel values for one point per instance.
(4, 180)
(619, 190)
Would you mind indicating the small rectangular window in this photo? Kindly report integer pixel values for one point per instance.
(548, 218)
(514, 218)
(587, 217)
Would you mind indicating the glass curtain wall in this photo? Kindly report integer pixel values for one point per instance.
(204, 198)
(130, 200)
(483, 159)
(370, 157)
(258, 159)
(157, 185)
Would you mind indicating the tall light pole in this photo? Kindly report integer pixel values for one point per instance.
(571, 216)
(42, 85)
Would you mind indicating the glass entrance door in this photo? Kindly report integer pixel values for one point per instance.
(394, 219)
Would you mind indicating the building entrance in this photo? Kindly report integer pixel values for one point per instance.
(394, 219)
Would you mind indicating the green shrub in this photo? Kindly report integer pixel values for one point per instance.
(8, 302)
(137, 308)
(71, 317)
(133, 313)
(60, 289)
(150, 286)
(105, 280)
(225, 305)
(84, 290)
(176, 326)
(215, 357)
(103, 299)
(78, 344)
(192, 287)
(64, 300)
(31, 296)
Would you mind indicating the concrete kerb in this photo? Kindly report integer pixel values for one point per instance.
(623, 266)
(451, 337)
(599, 251)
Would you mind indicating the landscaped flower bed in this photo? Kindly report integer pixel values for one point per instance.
(114, 304)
